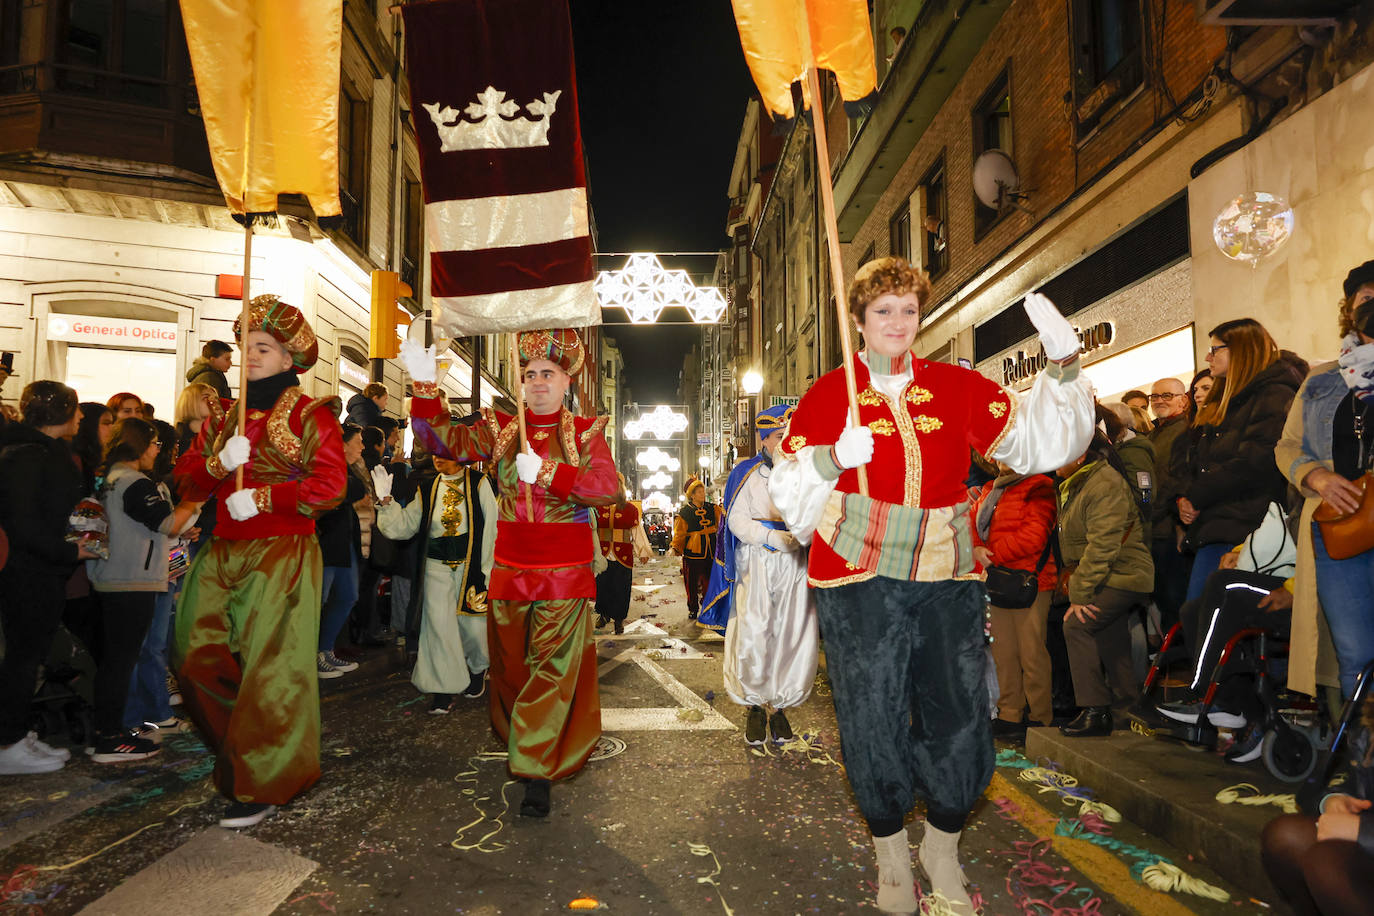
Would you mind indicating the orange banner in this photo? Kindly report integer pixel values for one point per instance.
(267, 73)
(781, 38)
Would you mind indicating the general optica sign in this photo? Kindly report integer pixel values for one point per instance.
(113, 332)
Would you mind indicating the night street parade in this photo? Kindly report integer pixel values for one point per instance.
(721, 458)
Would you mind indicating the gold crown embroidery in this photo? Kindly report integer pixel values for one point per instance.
(927, 424)
(882, 427)
(998, 409)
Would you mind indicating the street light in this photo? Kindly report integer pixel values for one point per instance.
(703, 462)
(752, 383)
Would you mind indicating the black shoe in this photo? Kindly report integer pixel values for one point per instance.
(536, 802)
(620, 628)
(1092, 722)
(477, 685)
(756, 730)
(1033, 723)
(441, 704)
(780, 728)
(246, 814)
(602, 620)
(122, 748)
(691, 615)
(1008, 731)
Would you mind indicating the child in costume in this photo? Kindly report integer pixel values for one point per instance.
(456, 516)
(897, 589)
(694, 539)
(620, 531)
(544, 699)
(771, 644)
(248, 619)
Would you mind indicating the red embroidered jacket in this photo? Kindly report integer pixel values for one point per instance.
(547, 555)
(615, 527)
(915, 524)
(297, 466)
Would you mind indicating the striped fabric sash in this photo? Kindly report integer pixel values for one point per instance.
(900, 542)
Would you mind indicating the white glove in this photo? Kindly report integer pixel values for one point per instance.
(235, 453)
(241, 506)
(528, 465)
(1056, 334)
(783, 541)
(381, 481)
(855, 446)
(420, 361)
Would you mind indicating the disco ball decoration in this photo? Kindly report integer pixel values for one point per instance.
(1253, 226)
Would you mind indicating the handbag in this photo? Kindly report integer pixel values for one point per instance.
(1347, 536)
(1016, 588)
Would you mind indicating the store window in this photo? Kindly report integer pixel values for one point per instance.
(991, 130)
(412, 223)
(99, 356)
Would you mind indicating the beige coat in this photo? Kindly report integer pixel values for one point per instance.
(1311, 654)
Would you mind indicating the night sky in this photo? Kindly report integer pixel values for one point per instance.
(662, 88)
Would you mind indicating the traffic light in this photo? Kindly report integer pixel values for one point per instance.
(386, 314)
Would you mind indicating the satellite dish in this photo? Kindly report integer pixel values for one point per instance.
(995, 181)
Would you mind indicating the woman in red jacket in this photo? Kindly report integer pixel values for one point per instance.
(1013, 522)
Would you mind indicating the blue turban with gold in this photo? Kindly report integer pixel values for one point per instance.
(775, 417)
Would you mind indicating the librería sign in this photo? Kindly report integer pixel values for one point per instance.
(112, 332)
(1021, 366)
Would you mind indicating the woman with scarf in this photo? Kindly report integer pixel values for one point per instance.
(1327, 444)
(891, 562)
(1014, 519)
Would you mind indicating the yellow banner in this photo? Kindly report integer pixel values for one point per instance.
(267, 72)
(781, 38)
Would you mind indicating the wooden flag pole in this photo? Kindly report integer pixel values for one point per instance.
(812, 89)
(520, 415)
(243, 338)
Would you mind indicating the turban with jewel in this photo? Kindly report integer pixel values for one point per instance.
(557, 345)
(775, 417)
(286, 325)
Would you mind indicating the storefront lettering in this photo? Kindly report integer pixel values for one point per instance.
(112, 332)
(1021, 366)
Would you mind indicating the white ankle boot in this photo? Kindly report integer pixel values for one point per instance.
(896, 884)
(939, 856)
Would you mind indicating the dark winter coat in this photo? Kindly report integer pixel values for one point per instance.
(339, 531)
(1164, 500)
(40, 484)
(1021, 526)
(1227, 471)
(363, 411)
(201, 371)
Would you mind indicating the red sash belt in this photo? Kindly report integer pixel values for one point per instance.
(543, 545)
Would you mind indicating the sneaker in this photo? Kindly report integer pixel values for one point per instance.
(122, 749)
(173, 690)
(156, 731)
(1189, 712)
(477, 685)
(21, 759)
(1246, 748)
(780, 728)
(440, 705)
(61, 753)
(339, 664)
(246, 814)
(324, 669)
(755, 731)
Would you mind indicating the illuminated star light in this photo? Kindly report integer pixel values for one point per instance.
(662, 422)
(644, 289)
(657, 481)
(655, 458)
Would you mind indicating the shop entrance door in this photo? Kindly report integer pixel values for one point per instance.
(98, 373)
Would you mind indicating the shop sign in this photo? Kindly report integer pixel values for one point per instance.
(703, 438)
(112, 332)
(1020, 366)
(353, 375)
(785, 400)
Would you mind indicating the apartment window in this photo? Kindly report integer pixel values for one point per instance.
(412, 212)
(991, 130)
(115, 48)
(899, 233)
(1107, 60)
(934, 220)
(868, 254)
(353, 137)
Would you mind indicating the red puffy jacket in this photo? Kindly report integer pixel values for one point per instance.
(1021, 526)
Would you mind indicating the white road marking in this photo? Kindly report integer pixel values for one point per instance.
(641, 718)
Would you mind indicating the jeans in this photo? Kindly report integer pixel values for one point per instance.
(148, 697)
(340, 590)
(1205, 562)
(1346, 590)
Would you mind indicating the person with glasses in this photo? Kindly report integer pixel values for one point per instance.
(1225, 468)
(1171, 406)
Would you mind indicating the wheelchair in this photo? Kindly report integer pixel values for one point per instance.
(1295, 735)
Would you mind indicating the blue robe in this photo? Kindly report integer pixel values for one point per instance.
(716, 609)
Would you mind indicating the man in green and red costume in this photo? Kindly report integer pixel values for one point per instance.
(544, 701)
(248, 619)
